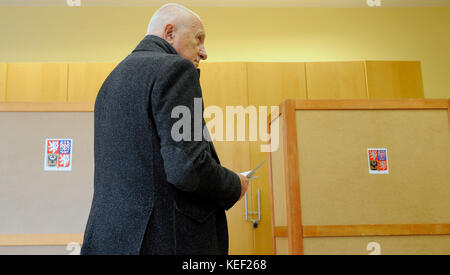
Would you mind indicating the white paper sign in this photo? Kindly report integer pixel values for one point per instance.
(58, 154)
(250, 174)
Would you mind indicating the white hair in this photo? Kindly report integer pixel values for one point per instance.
(171, 13)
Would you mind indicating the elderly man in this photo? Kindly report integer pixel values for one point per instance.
(153, 194)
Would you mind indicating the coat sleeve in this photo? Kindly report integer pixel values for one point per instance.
(188, 163)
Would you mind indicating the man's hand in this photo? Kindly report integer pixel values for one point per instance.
(244, 185)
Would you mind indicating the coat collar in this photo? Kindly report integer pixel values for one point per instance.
(155, 43)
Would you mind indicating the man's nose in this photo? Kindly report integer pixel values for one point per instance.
(203, 55)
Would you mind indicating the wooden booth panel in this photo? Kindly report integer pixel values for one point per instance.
(85, 80)
(281, 246)
(225, 84)
(336, 80)
(38, 201)
(36, 82)
(394, 79)
(268, 85)
(3, 74)
(385, 245)
(39, 239)
(329, 190)
(46, 107)
(336, 187)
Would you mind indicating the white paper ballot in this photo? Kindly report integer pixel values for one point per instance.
(249, 174)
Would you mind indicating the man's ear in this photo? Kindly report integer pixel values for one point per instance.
(169, 33)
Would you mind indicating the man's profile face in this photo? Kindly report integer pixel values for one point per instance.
(189, 41)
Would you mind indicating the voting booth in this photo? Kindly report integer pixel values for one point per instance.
(360, 177)
(45, 204)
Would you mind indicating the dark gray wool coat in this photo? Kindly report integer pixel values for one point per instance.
(154, 195)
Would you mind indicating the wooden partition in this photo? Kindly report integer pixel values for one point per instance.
(324, 199)
(44, 209)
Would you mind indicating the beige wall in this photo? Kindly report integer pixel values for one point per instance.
(107, 34)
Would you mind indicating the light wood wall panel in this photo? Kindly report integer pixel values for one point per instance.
(336, 80)
(278, 182)
(277, 185)
(268, 85)
(3, 74)
(394, 79)
(85, 80)
(271, 83)
(36, 82)
(225, 84)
